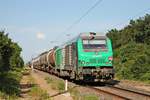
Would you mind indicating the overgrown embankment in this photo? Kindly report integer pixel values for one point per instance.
(11, 65)
(30, 89)
(131, 47)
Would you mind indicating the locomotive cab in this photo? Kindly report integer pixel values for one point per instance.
(95, 57)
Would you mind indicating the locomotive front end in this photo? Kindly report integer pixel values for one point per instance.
(95, 57)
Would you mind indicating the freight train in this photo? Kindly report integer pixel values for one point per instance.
(87, 57)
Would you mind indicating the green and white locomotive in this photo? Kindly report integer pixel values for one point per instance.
(87, 57)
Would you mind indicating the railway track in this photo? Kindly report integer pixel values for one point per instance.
(114, 92)
(121, 93)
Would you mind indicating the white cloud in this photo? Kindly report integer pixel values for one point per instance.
(40, 35)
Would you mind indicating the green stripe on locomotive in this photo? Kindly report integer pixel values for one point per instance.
(94, 59)
(58, 58)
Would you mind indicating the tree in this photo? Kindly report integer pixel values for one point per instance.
(134, 41)
(9, 53)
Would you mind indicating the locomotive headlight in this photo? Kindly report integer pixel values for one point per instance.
(82, 62)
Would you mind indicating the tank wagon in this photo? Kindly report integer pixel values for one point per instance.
(87, 57)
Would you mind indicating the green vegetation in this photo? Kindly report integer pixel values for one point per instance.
(9, 54)
(56, 84)
(74, 93)
(60, 85)
(35, 92)
(9, 84)
(90, 97)
(11, 65)
(48, 79)
(82, 96)
(38, 94)
(131, 47)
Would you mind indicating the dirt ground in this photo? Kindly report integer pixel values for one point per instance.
(39, 78)
(24, 88)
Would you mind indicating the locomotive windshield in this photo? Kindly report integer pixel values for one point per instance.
(94, 44)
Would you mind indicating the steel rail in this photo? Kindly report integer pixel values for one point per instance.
(120, 97)
(136, 91)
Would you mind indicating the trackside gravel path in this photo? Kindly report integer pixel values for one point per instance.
(39, 78)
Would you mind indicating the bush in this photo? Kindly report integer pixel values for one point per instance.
(131, 49)
(9, 83)
(9, 53)
(146, 76)
(11, 65)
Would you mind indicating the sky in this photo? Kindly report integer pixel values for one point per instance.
(39, 25)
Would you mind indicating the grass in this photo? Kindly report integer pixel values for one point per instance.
(48, 79)
(134, 81)
(4, 96)
(38, 94)
(9, 84)
(81, 96)
(89, 97)
(60, 86)
(56, 84)
(75, 94)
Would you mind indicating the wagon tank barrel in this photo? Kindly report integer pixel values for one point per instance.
(51, 57)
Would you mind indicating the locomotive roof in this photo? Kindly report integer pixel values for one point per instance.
(85, 35)
(96, 35)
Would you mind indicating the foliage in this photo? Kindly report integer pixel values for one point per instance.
(9, 53)
(11, 65)
(9, 84)
(131, 49)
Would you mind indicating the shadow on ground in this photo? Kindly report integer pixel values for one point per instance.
(87, 83)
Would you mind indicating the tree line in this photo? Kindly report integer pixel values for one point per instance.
(9, 54)
(11, 65)
(131, 47)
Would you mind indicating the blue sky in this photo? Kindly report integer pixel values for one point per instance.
(34, 24)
